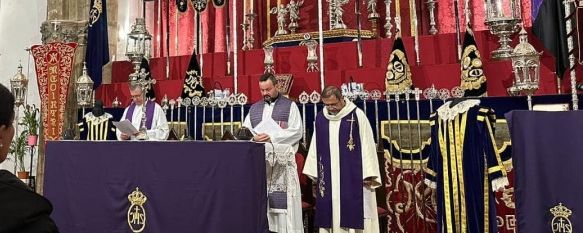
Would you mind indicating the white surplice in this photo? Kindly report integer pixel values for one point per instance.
(370, 169)
(159, 129)
(290, 220)
(282, 175)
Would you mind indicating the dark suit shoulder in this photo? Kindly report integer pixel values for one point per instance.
(23, 210)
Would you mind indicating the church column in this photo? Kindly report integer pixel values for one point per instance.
(63, 30)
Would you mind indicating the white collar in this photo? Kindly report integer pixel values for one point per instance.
(347, 109)
(445, 112)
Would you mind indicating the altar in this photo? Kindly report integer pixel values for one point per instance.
(205, 187)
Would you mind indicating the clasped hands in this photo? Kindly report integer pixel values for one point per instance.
(262, 137)
(127, 137)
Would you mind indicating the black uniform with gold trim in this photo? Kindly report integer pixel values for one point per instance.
(465, 167)
(100, 128)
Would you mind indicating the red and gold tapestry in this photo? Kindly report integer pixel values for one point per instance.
(54, 66)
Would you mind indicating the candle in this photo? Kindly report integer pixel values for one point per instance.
(244, 7)
(251, 5)
(278, 3)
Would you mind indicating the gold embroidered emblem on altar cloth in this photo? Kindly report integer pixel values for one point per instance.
(136, 211)
(561, 222)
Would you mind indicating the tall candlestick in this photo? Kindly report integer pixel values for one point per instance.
(245, 7)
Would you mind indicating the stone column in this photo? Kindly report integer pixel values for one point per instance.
(67, 22)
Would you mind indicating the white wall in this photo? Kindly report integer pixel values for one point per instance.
(20, 23)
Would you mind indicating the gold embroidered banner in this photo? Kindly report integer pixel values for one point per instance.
(54, 66)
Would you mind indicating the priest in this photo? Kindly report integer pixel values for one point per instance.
(343, 162)
(154, 121)
(276, 119)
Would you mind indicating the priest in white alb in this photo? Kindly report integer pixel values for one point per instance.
(154, 121)
(276, 119)
(342, 160)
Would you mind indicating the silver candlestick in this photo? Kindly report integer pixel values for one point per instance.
(248, 31)
(312, 58)
(431, 5)
(388, 25)
(268, 60)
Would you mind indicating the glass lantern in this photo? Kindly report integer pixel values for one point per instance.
(19, 87)
(138, 44)
(85, 93)
(526, 68)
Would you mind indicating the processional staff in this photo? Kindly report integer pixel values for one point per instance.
(315, 99)
(195, 102)
(242, 100)
(411, 158)
(172, 104)
(232, 101)
(222, 104)
(186, 102)
(179, 102)
(213, 103)
(417, 92)
(376, 95)
(203, 102)
(304, 99)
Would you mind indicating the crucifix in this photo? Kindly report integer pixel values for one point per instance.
(350, 145)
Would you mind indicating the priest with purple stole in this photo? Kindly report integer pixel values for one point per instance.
(155, 120)
(342, 161)
(283, 116)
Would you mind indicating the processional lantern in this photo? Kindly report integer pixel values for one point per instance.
(85, 93)
(138, 45)
(503, 18)
(526, 68)
(19, 87)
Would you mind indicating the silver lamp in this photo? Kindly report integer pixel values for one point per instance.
(85, 93)
(526, 68)
(19, 87)
(138, 45)
(502, 23)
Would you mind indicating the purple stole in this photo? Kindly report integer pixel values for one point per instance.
(150, 107)
(280, 112)
(351, 182)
